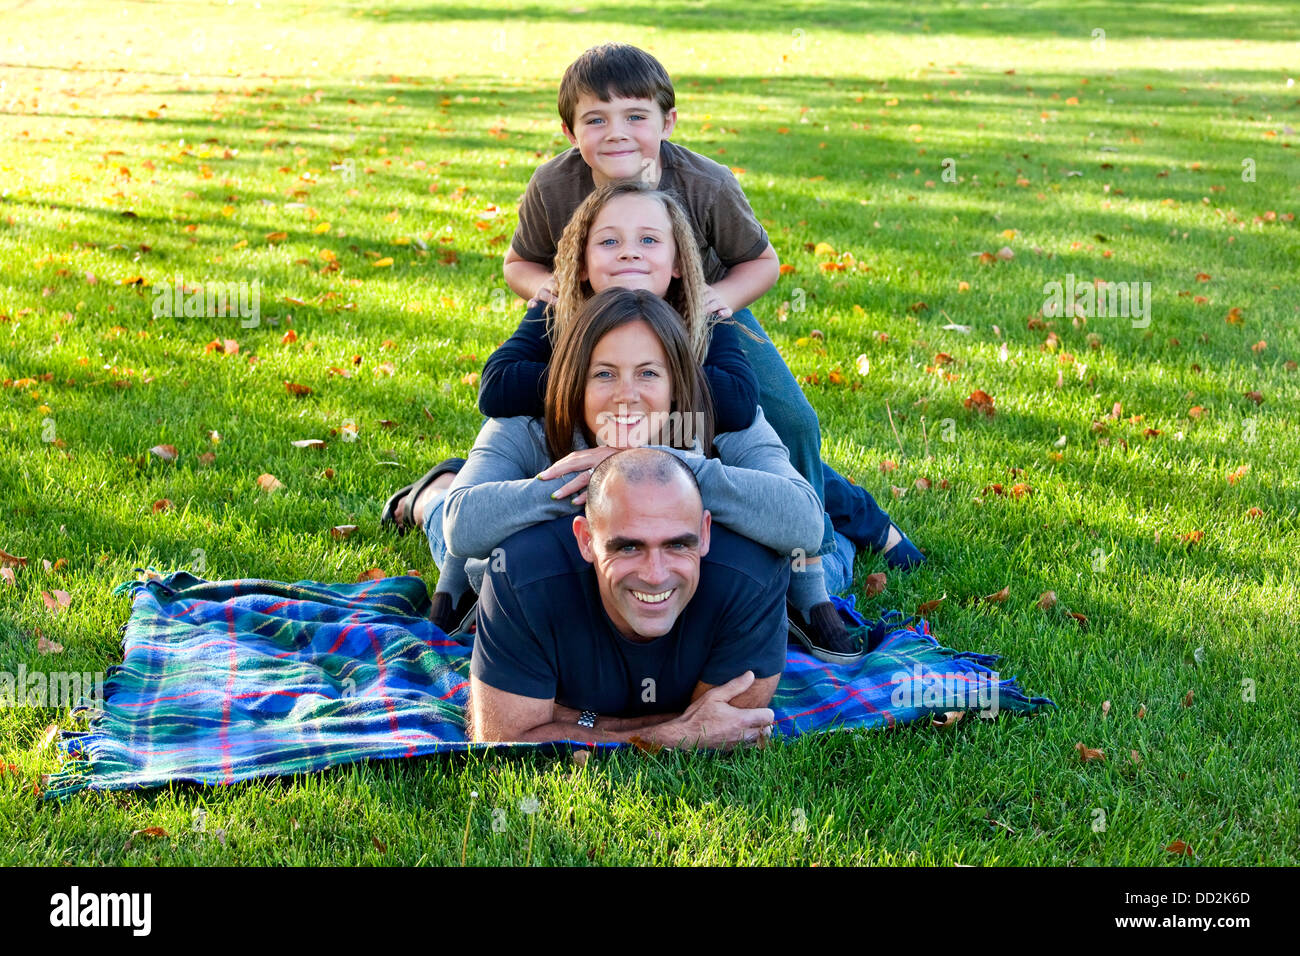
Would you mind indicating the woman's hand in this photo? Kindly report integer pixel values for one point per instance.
(583, 461)
(545, 292)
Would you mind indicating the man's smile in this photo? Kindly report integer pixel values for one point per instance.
(647, 598)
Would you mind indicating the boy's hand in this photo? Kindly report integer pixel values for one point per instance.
(713, 303)
(545, 292)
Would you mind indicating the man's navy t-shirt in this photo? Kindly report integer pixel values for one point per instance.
(544, 633)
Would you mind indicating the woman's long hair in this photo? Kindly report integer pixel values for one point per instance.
(685, 292)
(691, 412)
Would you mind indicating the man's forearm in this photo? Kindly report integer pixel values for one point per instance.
(657, 728)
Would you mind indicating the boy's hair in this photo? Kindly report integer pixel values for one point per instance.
(685, 293)
(566, 385)
(616, 69)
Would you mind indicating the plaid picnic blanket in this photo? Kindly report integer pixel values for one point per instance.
(230, 680)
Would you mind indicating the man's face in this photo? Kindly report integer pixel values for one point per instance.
(620, 138)
(645, 544)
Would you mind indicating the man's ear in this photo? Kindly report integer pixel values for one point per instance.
(582, 532)
(705, 524)
(568, 133)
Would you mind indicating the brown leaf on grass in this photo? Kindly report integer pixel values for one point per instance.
(1047, 600)
(374, 574)
(994, 488)
(1202, 277)
(342, 530)
(308, 443)
(1259, 346)
(1180, 848)
(1233, 317)
(580, 758)
(1142, 711)
(1089, 753)
(56, 567)
(929, 606)
(1021, 489)
(875, 584)
(1238, 473)
(943, 358)
(1252, 513)
(1255, 397)
(45, 646)
(950, 717)
(1006, 254)
(645, 746)
(165, 452)
(268, 482)
(887, 466)
(162, 504)
(327, 474)
(381, 847)
(997, 597)
(1081, 618)
(1187, 700)
(206, 458)
(980, 401)
(1193, 537)
(7, 575)
(9, 561)
(276, 236)
(917, 307)
(56, 601)
(1135, 757)
(297, 390)
(148, 833)
(1196, 411)
(289, 337)
(1105, 708)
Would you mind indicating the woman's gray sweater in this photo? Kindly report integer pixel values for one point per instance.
(750, 488)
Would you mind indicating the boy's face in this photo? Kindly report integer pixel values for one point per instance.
(619, 138)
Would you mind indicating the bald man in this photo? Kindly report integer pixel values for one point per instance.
(638, 618)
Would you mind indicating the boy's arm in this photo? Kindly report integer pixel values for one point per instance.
(527, 279)
(514, 378)
(746, 281)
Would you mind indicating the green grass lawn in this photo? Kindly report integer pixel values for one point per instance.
(143, 141)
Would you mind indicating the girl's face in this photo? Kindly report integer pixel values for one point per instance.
(628, 392)
(631, 245)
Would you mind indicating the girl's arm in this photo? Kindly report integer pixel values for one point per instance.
(731, 380)
(497, 493)
(514, 379)
(753, 489)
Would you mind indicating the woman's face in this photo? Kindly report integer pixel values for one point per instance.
(631, 245)
(628, 392)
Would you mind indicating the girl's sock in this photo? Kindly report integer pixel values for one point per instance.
(807, 588)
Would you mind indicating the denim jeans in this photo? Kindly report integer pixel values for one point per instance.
(452, 578)
(788, 412)
(854, 512)
(837, 566)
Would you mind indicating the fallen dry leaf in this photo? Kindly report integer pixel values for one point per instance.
(1135, 757)
(1180, 848)
(162, 504)
(929, 606)
(342, 530)
(980, 401)
(1047, 600)
(268, 482)
(1238, 473)
(1089, 753)
(298, 390)
(9, 561)
(1142, 711)
(165, 452)
(1233, 317)
(56, 601)
(289, 337)
(1081, 618)
(1187, 700)
(7, 575)
(875, 584)
(1192, 537)
(374, 574)
(1252, 513)
(997, 597)
(207, 458)
(1196, 411)
(45, 646)
(1105, 708)
(1020, 489)
(1255, 397)
(645, 746)
(148, 833)
(887, 466)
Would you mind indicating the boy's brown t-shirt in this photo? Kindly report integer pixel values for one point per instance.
(725, 228)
